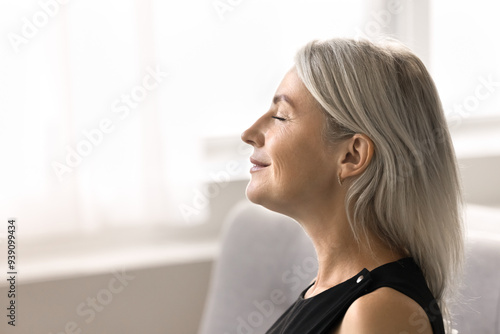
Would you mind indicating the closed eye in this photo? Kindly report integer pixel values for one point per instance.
(278, 118)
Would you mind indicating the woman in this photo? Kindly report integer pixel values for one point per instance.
(355, 147)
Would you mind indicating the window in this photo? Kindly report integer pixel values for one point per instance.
(465, 58)
(106, 107)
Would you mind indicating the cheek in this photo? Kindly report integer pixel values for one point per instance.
(290, 165)
(303, 163)
(284, 159)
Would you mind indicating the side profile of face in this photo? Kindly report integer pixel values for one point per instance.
(294, 167)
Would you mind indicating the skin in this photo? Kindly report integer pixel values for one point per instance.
(297, 176)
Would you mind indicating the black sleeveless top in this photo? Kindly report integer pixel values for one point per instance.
(321, 313)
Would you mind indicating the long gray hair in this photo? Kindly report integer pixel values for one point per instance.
(410, 194)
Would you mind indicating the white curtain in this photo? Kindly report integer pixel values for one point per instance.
(466, 58)
(104, 105)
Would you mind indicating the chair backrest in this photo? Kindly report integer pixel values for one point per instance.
(478, 309)
(266, 260)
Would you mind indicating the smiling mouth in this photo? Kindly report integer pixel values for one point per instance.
(257, 165)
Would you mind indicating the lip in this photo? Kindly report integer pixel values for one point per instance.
(257, 165)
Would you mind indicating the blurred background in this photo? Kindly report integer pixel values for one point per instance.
(119, 136)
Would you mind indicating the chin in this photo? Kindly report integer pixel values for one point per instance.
(253, 195)
(262, 197)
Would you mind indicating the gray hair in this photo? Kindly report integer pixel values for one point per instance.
(410, 193)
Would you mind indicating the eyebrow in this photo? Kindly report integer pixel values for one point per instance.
(282, 97)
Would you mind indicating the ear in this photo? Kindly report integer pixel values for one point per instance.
(356, 156)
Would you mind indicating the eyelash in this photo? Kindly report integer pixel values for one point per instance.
(278, 118)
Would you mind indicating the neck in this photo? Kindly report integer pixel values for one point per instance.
(340, 255)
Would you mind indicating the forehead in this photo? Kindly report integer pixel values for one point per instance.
(293, 88)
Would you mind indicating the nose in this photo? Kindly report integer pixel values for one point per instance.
(254, 135)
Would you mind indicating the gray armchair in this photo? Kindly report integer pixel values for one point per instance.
(266, 260)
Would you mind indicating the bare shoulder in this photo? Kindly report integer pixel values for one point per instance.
(386, 311)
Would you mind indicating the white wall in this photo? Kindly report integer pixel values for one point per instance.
(161, 300)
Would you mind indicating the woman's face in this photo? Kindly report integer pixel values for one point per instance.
(293, 165)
